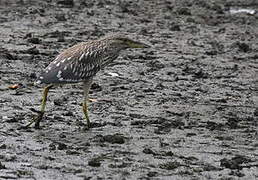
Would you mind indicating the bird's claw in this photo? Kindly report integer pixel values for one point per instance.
(85, 128)
(38, 119)
(34, 110)
(35, 119)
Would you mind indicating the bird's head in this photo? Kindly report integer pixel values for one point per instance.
(124, 42)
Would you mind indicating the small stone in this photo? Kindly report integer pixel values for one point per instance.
(114, 139)
(184, 11)
(61, 146)
(68, 113)
(234, 163)
(152, 174)
(32, 50)
(66, 3)
(2, 166)
(256, 112)
(3, 146)
(96, 87)
(52, 147)
(174, 27)
(60, 17)
(34, 40)
(243, 47)
(148, 151)
(95, 162)
(170, 165)
(33, 75)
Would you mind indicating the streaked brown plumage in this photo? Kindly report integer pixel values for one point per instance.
(80, 63)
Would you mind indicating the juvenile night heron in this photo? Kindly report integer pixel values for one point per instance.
(80, 63)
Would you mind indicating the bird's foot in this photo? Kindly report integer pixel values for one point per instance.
(35, 119)
(86, 128)
(38, 119)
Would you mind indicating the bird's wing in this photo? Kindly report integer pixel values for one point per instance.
(73, 65)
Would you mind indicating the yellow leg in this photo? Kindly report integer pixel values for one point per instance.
(44, 99)
(85, 111)
(86, 89)
(39, 117)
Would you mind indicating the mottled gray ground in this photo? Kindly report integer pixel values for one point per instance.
(187, 108)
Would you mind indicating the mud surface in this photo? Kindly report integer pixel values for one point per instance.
(187, 108)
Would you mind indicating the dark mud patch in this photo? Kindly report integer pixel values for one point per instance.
(186, 108)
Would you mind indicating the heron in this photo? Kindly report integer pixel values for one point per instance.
(80, 63)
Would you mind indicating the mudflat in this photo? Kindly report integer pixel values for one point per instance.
(186, 108)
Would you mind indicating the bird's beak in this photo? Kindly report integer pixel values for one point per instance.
(135, 44)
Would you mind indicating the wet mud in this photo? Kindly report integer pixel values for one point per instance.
(186, 108)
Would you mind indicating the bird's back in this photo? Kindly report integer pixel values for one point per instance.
(78, 63)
